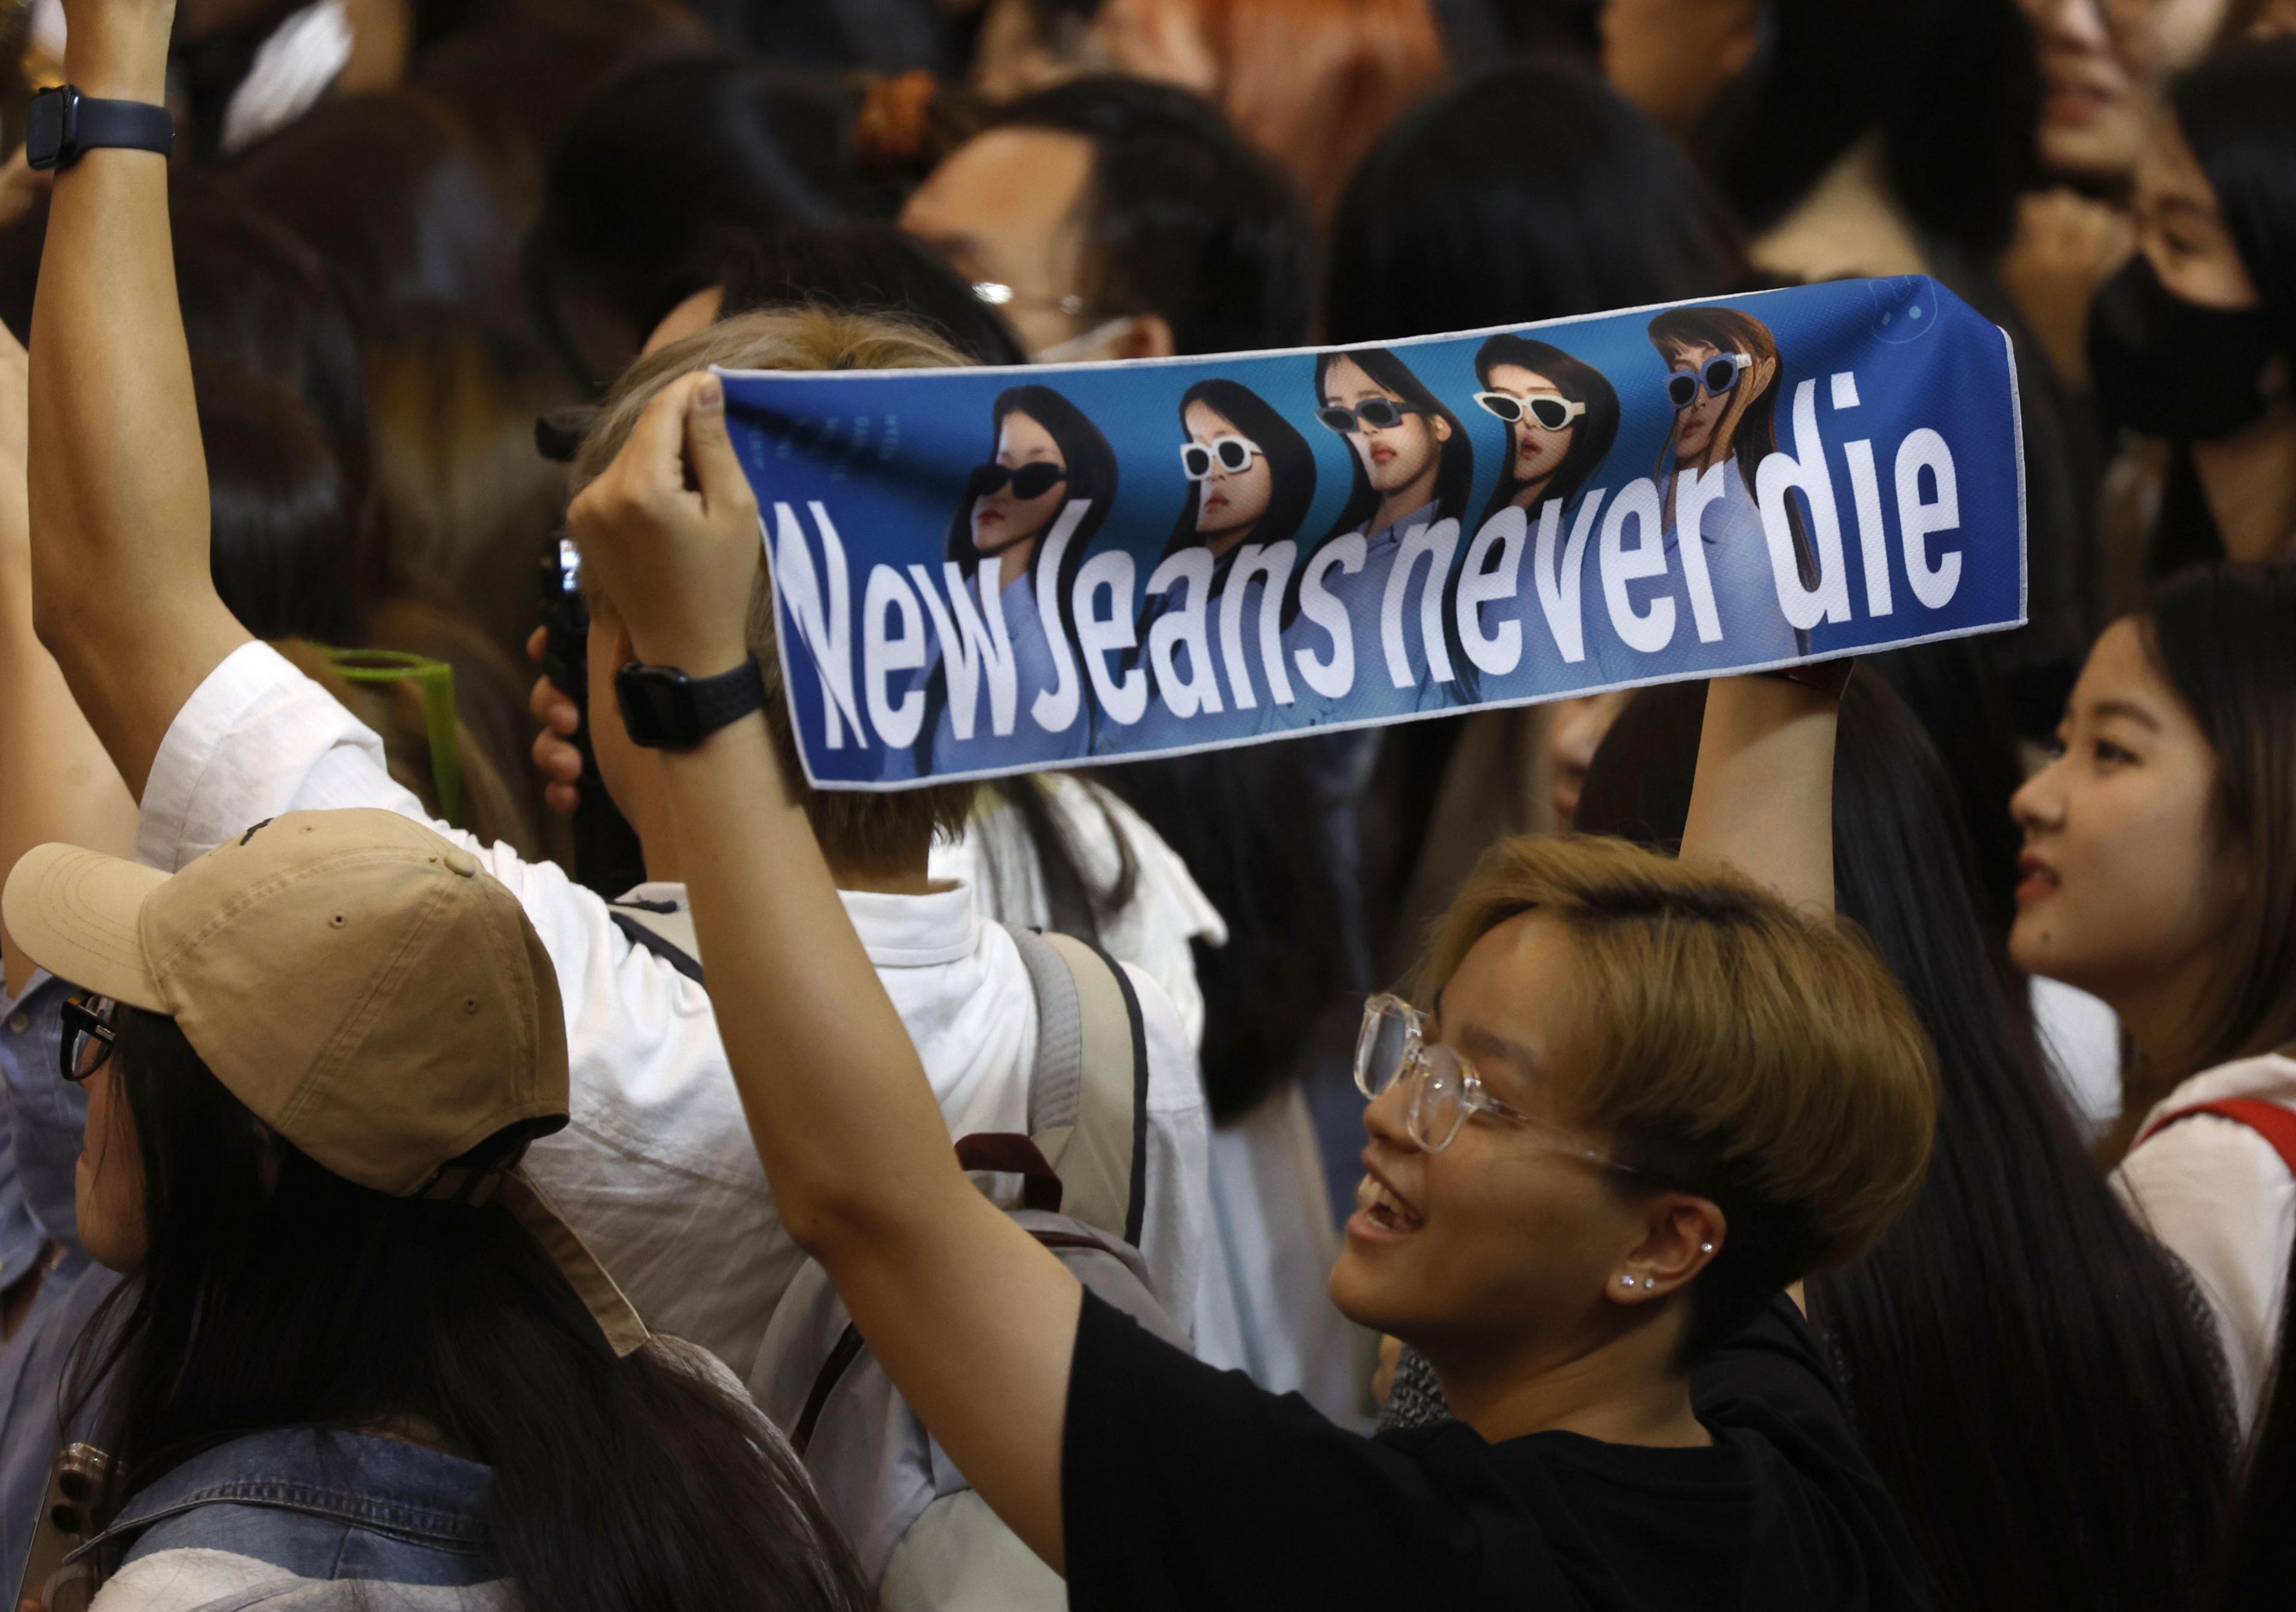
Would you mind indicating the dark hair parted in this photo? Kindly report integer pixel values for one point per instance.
(1534, 192)
(861, 266)
(2224, 638)
(1084, 454)
(1184, 219)
(2237, 109)
(1738, 1050)
(1290, 463)
(275, 1293)
(1455, 472)
(2016, 1290)
(1591, 433)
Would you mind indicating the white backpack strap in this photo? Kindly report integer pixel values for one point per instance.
(1088, 1092)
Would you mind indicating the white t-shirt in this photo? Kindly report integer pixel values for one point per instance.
(1151, 931)
(2219, 1196)
(656, 1170)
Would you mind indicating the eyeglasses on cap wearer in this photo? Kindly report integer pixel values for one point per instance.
(1549, 413)
(1029, 481)
(91, 1030)
(1441, 1090)
(1719, 373)
(996, 293)
(1229, 453)
(1380, 414)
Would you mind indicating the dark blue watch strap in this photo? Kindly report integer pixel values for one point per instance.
(135, 125)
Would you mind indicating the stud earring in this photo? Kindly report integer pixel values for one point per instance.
(1650, 1281)
(1706, 1248)
(1626, 1282)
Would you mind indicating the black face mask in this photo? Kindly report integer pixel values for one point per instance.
(2171, 368)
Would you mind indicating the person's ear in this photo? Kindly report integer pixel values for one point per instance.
(1763, 373)
(1681, 1235)
(1441, 427)
(1147, 336)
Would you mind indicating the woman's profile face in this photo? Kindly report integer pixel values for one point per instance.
(1538, 452)
(2103, 64)
(107, 1181)
(1393, 456)
(1003, 517)
(2126, 878)
(1502, 1236)
(1704, 428)
(2181, 228)
(1229, 503)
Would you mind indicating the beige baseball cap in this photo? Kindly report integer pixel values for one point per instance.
(364, 987)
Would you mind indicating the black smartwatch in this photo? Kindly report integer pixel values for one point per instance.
(664, 709)
(64, 123)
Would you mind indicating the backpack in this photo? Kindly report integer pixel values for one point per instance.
(924, 1538)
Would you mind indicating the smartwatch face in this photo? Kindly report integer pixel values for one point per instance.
(657, 709)
(43, 132)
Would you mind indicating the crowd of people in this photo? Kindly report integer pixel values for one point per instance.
(1830, 1137)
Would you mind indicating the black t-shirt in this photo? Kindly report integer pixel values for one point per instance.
(1187, 1487)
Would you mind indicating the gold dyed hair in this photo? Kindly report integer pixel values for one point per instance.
(1742, 1051)
(857, 829)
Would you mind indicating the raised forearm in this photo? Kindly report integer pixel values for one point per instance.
(1763, 800)
(118, 490)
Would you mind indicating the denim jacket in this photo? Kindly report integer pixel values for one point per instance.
(307, 1518)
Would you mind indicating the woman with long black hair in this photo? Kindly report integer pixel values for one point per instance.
(1251, 478)
(355, 1347)
(1044, 490)
(2017, 1291)
(1411, 466)
(2193, 340)
(1561, 415)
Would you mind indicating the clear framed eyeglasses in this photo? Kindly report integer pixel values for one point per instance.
(1441, 1090)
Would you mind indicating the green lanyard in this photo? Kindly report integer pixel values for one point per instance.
(437, 681)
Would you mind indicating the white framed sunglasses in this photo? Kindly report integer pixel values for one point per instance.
(1226, 454)
(1544, 411)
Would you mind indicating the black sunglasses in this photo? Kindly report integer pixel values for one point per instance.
(1030, 481)
(89, 1035)
(1380, 414)
(1719, 373)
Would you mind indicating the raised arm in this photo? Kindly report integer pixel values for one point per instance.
(972, 1319)
(121, 593)
(1763, 799)
(57, 783)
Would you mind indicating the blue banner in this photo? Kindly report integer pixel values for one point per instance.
(994, 570)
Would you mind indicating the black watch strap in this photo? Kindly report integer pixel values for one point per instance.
(63, 124)
(728, 696)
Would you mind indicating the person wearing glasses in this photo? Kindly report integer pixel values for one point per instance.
(1412, 466)
(1250, 477)
(1723, 378)
(1629, 1101)
(1561, 415)
(1047, 485)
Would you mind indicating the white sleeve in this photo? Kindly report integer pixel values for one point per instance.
(1180, 1171)
(2218, 1197)
(656, 1170)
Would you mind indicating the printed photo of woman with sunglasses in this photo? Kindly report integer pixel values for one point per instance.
(1250, 477)
(1412, 465)
(1561, 415)
(1046, 456)
(1723, 378)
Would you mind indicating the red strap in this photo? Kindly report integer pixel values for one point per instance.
(1010, 1153)
(2269, 1120)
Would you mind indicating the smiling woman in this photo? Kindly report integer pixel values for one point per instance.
(2160, 873)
